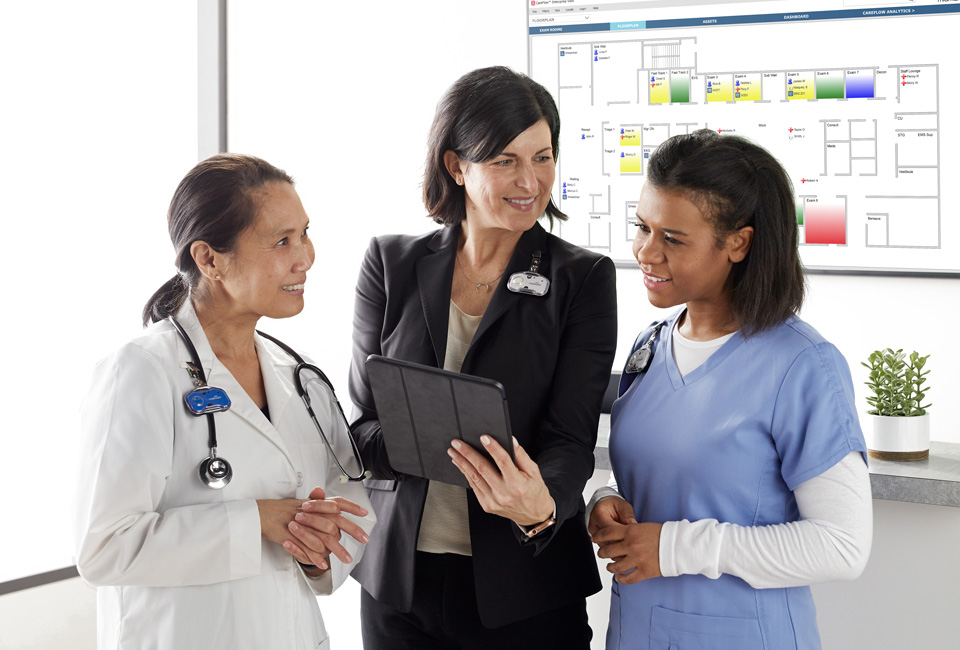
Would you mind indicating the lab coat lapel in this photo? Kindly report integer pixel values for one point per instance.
(504, 300)
(435, 281)
(218, 375)
(277, 368)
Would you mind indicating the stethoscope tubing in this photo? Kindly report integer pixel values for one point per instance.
(302, 365)
(198, 368)
(200, 379)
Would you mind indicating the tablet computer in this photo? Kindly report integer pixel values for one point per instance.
(422, 409)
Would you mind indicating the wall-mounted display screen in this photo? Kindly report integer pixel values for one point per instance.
(854, 98)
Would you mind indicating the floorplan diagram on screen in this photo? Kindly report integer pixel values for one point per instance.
(857, 102)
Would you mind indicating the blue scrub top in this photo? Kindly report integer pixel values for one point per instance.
(729, 441)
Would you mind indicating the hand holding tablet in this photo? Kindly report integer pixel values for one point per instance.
(421, 409)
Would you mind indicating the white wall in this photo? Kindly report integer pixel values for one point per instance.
(58, 616)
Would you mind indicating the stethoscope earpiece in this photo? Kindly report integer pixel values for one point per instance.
(215, 472)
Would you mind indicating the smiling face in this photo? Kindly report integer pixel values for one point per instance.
(511, 190)
(677, 249)
(266, 272)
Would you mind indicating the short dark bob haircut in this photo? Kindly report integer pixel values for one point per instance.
(214, 203)
(478, 116)
(736, 183)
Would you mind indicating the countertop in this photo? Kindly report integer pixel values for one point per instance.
(934, 481)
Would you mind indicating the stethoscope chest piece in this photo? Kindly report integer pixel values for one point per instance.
(214, 471)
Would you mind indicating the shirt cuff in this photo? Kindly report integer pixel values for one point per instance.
(524, 529)
(691, 547)
(246, 543)
(598, 496)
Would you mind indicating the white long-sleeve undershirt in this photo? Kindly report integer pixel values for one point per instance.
(830, 541)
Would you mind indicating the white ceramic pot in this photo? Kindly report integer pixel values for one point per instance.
(900, 438)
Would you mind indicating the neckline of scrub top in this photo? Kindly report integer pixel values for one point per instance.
(715, 359)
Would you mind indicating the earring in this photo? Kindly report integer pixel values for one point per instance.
(459, 180)
(218, 276)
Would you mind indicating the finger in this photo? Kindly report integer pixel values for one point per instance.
(524, 463)
(469, 454)
(601, 517)
(301, 556)
(474, 478)
(350, 507)
(500, 456)
(332, 525)
(622, 565)
(631, 577)
(317, 493)
(323, 506)
(337, 549)
(481, 489)
(325, 524)
(613, 550)
(624, 511)
(352, 529)
(612, 533)
(308, 538)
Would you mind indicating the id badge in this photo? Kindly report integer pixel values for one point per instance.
(639, 360)
(528, 282)
(207, 399)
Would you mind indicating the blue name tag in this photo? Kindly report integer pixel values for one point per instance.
(207, 400)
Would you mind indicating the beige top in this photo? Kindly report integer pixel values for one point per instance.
(444, 527)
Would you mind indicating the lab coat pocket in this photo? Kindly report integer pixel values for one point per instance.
(670, 630)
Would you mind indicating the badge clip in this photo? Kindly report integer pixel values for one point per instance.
(530, 282)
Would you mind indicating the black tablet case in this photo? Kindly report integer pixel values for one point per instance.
(422, 409)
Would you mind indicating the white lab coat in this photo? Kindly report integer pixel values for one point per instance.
(178, 564)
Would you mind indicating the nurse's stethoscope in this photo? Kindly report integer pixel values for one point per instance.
(214, 470)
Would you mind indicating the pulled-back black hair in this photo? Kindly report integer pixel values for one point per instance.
(737, 183)
(213, 204)
(478, 116)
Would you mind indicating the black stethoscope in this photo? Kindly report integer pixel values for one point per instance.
(215, 471)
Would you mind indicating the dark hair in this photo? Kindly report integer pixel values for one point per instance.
(737, 183)
(214, 203)
(478, 116)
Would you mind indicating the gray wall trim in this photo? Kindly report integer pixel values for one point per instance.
(38, 580)
(212, 77)
(632, 265)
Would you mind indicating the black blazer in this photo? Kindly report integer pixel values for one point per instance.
(553, 354)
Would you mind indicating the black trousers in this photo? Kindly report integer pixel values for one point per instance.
(445, 616)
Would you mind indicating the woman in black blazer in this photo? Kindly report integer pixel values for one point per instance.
(508, 563)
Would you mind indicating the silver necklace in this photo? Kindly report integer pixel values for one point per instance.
(485, 285)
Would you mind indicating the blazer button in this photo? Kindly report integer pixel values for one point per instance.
(299, 479)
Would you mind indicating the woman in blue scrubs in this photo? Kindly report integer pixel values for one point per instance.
(739, 475)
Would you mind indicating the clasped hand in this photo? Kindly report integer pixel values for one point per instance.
(315, 526)
(633, 547)
(515, 491)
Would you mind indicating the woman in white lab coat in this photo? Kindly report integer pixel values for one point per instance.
(178, 564)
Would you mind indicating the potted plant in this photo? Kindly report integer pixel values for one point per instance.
(901, 424)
